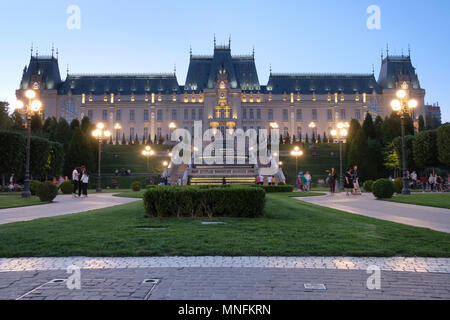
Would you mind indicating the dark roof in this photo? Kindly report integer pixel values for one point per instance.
(43, 69)
(396, 69)
(125, 84)
(203, 71)
(322, 83)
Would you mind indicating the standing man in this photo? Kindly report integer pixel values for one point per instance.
(75, 181)
(414, 179)
(355, 180)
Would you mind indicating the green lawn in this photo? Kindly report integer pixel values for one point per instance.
(14, 200)
(289, 228)
(439, 200)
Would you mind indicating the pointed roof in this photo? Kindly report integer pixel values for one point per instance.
(396, 69)
(42, 68)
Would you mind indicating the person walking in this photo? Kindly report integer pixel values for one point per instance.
(75, 182)
(332, 180)
(355, 176)
(431, 181)
(348, 181)
(414, 179)
(308, 181)
(298, 183)
(84, 182)
(423, 182)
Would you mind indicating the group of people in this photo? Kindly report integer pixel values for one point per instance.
(303, 182)
(260, 180)
(434, 182)
(351, 181)
(80, 180)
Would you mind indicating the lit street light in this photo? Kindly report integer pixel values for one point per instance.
(296, 153)
(340, 133)
(100, 133)
(403, 105)
(148, 152)
(117, 127)
(33, 106)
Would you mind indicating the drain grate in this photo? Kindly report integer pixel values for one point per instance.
(315, 286)
(42, 286)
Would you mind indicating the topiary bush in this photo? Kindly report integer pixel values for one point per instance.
(368, 185)
(276, 189)
(398, 185)
(47, 191)
(383, 189)
(34, 184)
(66, 187)
(136, 186)
(189, 201)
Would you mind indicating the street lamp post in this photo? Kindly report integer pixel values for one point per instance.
(100, 133)
(148, 152)
(403, 105)
(33, 106)
(341, 133)
(296, 153)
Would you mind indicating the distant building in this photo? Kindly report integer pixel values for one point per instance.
(433, 116)
(223, 91)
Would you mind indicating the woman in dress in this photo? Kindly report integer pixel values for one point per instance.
(332, 180)
(84, 182)
(348, 183)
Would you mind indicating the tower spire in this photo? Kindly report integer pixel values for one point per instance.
(174, 69)
(382, 54)
(229, 42)
(387, 50)
(409, 50)
(253, 52)
(31, 50)
(53, 50)
(214, 41)
(190, 50)
(57, 54)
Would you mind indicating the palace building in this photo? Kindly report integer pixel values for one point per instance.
(223, 91)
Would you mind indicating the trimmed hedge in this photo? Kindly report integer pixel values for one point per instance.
(276, 189)
(398, 185)
(47, 191)
(66, 187)
(136, 186)
(188, 201)
(383, 189)
(368, 185)
(34, 184)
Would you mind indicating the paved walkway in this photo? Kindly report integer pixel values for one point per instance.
(420, 216)
(63, 204)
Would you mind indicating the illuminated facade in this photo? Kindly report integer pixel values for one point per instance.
(222, 91)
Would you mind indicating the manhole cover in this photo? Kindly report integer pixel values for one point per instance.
(212, 223)
(315, 286)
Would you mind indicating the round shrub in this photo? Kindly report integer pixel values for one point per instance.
(368, 185)
(47, 191)
(398, 185)
(34, 184)
(136, 186)
(66, 187)
(383, 189)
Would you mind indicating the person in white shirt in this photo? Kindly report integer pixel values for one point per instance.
(84, 182)
(269, 180)
(75, 181)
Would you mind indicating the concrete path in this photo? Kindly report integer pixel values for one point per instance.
(63, 204)
(420, 216)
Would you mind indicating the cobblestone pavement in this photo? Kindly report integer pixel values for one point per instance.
(420, 216)
(63, 204)
(222, 284)
(439, 265)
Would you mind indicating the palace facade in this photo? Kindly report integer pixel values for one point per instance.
(223, 91)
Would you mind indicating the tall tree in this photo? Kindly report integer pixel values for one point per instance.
(80, 153)
(5, 120)
(74, 124)
(421, 123)
(425, 149)
(124, 140)
(63, 133)
(49, 128)
(36, 123)
(357, 155)
(355, 126)
(369, 127)
(409, 140)
(443, 144)
(378, 129)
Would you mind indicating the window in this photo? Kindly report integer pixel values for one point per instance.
(174, 115)
(252, 115)
(358, 115)
(146, 133)
(118, 115)
(159, 115)
(244, 114)
(342, 114)
(200, 114)
(285, 115)
(258, 114)
(193, 114)
(91, 114)
(132, 133)
(186, 114)
(314, 114)
(330, 115)
(118, 134)
(132, 116)
(104, 115)
(286, 131)
(270, 115)
(299, 115)
(159, 132)
(146, 115)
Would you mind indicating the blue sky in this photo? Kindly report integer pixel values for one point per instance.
(294, 36)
